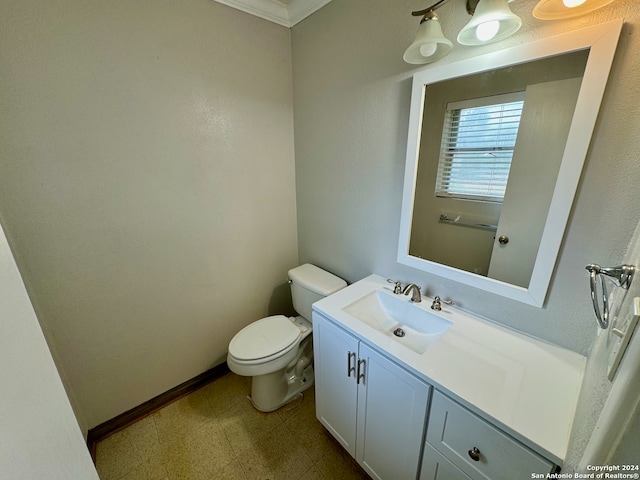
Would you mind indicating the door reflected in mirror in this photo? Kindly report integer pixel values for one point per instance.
(490, 151)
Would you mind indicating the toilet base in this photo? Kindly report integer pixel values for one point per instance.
(272, 391)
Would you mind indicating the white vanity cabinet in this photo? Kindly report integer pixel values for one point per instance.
(474, 446)
(405, 412)
(372, 406)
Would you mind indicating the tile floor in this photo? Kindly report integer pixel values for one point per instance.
(215, 433)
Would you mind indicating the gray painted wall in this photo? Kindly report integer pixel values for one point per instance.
(146, 185)
(606, 427)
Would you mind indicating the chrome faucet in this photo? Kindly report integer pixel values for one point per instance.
(415, 292)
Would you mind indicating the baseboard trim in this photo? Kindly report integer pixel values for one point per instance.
(129, 417)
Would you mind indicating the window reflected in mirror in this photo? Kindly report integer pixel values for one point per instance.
(478, 140)
(490, 151)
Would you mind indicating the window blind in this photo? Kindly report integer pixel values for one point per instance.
(477, 146)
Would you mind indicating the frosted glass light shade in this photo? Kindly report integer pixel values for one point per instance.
(559, 9)
(492, 21)
(429, 45)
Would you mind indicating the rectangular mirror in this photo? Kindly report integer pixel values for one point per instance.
(495, 150)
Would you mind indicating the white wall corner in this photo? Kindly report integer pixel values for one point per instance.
(283, 13)
(271, 10)
(301, 9)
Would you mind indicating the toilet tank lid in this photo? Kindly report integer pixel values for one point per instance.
(317, 280)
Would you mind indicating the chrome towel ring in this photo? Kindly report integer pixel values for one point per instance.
(621, 276)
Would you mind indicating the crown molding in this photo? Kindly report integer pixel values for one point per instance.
(283, 13)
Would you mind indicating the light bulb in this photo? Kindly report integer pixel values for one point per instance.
(428, 49)
(573, 3)
(487, 30)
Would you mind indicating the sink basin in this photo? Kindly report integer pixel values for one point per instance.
(410, 324)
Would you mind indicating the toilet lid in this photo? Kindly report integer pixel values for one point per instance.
(263, 338)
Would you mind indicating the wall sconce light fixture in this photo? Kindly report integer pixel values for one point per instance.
(560, 9)
(430, 44)
(491, 21)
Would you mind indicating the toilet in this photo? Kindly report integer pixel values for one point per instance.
(277, 351)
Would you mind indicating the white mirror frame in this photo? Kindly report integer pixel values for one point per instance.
(602, 41)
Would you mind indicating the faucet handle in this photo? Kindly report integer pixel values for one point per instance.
(436, 304)
(437, 301)
(397, 288)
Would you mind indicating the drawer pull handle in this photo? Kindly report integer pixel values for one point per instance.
(351, 369)
(474, 453)
(360, 374)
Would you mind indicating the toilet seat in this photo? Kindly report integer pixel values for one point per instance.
(264, 339)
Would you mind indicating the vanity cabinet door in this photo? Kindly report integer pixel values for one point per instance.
(392, 406)
(372, 406)
(335, 358)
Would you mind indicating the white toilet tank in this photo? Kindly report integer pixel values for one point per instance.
(310, 284)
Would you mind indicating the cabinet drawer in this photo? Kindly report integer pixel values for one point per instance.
(478, 448)
(436, 467)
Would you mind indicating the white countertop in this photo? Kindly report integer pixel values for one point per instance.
(525, 386)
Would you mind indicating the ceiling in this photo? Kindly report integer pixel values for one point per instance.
(282, 12)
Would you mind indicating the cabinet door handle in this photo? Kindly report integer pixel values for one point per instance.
(474, 453)
(351, 369)
(361, 373)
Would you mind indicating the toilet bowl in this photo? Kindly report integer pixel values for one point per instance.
(277, 351)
